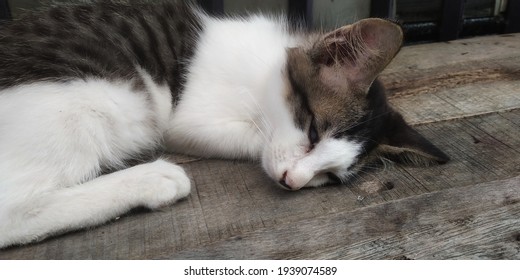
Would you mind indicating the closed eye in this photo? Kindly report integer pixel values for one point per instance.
(314, 138)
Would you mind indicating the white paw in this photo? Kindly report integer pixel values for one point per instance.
(162, 183)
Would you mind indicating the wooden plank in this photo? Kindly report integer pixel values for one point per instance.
(479, 221)
(447, 54)
(430, 80)
(465, 101)
(476, 83)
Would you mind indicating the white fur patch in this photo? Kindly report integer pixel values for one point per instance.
(68, 130)
(225, 110)
(56, 137)
(308, 169)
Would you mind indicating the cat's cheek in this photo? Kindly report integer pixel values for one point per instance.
(330, 155)
(273, 164)
(287, 147)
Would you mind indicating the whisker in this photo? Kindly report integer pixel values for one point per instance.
(262, 116)
(259, 129)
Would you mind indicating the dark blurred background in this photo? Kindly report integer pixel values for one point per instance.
(422, 20)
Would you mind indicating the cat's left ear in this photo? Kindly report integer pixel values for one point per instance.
(357, 52)
(404, 144)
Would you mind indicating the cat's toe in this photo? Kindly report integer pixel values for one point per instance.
(164, 184)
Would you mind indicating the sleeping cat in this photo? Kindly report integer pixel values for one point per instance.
(87, 88)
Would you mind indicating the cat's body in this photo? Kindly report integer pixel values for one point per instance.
(84, 89)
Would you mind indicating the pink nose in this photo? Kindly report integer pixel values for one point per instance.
(283, 182)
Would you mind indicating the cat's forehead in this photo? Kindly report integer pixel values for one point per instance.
(330, 105)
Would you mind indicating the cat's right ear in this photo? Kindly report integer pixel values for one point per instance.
(355, 54)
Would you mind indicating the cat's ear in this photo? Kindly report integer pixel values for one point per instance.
(357, 52)
(403, 144)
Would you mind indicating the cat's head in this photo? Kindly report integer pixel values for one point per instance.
(339, 115)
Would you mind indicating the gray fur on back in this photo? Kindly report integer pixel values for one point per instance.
(104, 39)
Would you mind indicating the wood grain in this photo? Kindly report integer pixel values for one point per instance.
(448, 54)
(450, 224)
(463, 78)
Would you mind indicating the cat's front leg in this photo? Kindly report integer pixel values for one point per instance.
(151, 185)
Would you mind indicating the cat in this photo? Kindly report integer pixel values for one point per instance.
(86, 88)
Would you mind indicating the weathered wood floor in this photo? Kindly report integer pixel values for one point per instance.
(463, 95)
